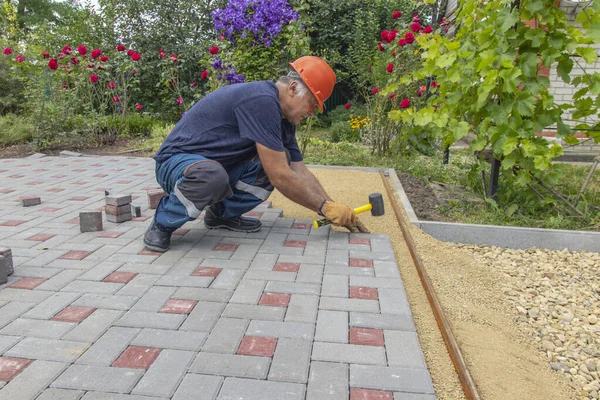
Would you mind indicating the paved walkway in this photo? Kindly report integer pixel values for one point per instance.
(286, 313)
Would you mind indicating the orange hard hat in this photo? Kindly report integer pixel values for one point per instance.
(317, 75)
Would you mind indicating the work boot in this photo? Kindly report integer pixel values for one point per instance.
(236, 224)
(157, 238)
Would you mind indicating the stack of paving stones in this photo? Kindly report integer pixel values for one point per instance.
(288, 312)
(118, 208)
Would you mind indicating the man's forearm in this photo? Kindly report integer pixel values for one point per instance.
(313, 184)
(299, 191)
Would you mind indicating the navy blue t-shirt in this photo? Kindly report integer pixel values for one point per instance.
(226, 124)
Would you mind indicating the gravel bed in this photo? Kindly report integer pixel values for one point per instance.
(556, 298)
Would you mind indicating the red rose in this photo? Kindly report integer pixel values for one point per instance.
(392, 95)
(419, 93)
(134, 71)
(204, 74)
(19, 59)
(82, 50)
(347, 105)
(93, 78)
(192, 84)
(393, 54)
(402, 42)
(8, 51)
(115, 99)
(415, 27)
(409, 38)
(396, 14)
(173, 58)
(45, 54)
(52, 64)
(129, 52)
(213, 50)
(380, 45)
(74, 61)
(90, 65)
(392, 35)
(135, 56)
(111, 85)
(100, 69)
(120, 47)
(375, 91)
(428, 29)
(434, 84)
(64, 85)
(405, 103)
(139, 106)
(67, 50)
(179, 100)
(162, 55)
(104, 58)
(415, 17)
(96, 53)
(384, 34)
(60, 55)
(390, 68)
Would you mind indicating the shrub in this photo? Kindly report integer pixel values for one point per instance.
(15, 130)
(342, 132)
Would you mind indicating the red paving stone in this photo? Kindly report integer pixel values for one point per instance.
(28, 283)
(100, 175)
(73, 314)
(79, 198)
(367, 293)
(361, 263)
(11, 367)
(73, 221)
(294, 243)
(12, 223)
(226, 247)
(274, 299)
(178, 306)
(40, 170)
(360, 241)
(76, 255)
(17, 176)
(180, 231)
(301, 226)
(50, 209)
(147, 252)
(369, 394)
(286, 267)
(119, 277)
(139, 218)
(253, 214)
(137, 357)
(35, 183)
(79, 170)
(111, 235)
(140, 174)
(80, 183)
(59, 176)
(41, 237)
(6, 191)
(122, 182)
(261, 346)
(366, 336)
(206, 271)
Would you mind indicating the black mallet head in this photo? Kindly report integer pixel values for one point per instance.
(376, 200)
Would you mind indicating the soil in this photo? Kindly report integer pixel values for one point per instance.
(119, 147)
(422, 198)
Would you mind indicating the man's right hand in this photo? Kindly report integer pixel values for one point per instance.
(342, 215)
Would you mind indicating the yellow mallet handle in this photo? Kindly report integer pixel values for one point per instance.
(323, 222)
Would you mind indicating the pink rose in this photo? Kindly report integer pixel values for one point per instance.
(405, 103)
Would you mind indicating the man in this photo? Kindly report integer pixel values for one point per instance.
(235, 146)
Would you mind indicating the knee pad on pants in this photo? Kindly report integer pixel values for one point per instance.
(204, 183)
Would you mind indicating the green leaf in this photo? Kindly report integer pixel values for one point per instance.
(588, 54)
(424, 116)
(528, 148)
(509, 146)
(572, 140)
(510, 78)
(529, 64)
(445, 60)
(523, 178)
(536, 36)
(541, 163)
(563, 129)
(460, 129)
(507, 18)
(508, 162)
(524, 104)
(479, 143)
(565, 66)
(512, 209)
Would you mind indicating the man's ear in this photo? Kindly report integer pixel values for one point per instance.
(293, 89)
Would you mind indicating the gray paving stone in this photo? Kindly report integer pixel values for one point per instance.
(393, 301)
(138, 285)
(231, 365)
(383, 283)
(52, 305)
(231, 264)
(245, 252)
(142, 319)
(302, 259)
(386, 269)
(36, 272)
(170, 339)
(203, 317)
(403, 349)
(109, 347)
(340, 304)
(149, 269)
(327, 381)
(332, 326)
(6, 342)
(165, 373)
(93, 287)
(227, 279)
(368, 255)
(310, 273)
(264, 262)
(32, 380)
(112, 302)
(184, 281)
(94, 326)
(60, 280)
(154, 299)
(23, 296)
(348, 353)
(335, 286)
(104, 379)
(248, 389)
(336, 257)
(248, 291)
(355, 271)
(391, 378)
(302, 308)
(226, 335)
(291, 360)
(270, 275)
(413, 396)
(198, 387)
(246, 311)
(292, 330)
(60, 394)
(100, 271)
(382, 321)
(293, 288)
(203, 294)
(37, 328)
(48, 349)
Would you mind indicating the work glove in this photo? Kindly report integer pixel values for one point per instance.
(341, 215)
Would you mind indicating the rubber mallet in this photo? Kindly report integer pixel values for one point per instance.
(375, 205)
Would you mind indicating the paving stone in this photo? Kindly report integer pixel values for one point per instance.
(393, 301)
(11, 367)
(257, 346)
(104, 379)
(94, 326)
(202, 294)
(291, 361)
(12, 310)
(264, 262)
(266, 313)
(341, 304)
(154, 299)
(293, 330)
(112, 302)
(310, 273)
(327, 381)
(6, 342)
(370, 394)
(403, 349)
(165, 374)
(60, 394)
(413, 396)
(92, 287)
(249, 389)
(52, 305)
(198, 387)
(332, 326)
(178, 306)
(142, 319)
(348, 353)
(170, 339)
(293, 288)
(386, 269)
(109, 346)
(366, 336)
(225, 336)
(32, 380)
(231, 365)
(248, 291)
(382, 321)
(37, 328)
(203, 317)
(137, 357)
(138, 285)
(48, 349)
(90, 221)
(270, 276)
(227, 279)
(118, 199)
(334, 286)
(302, 308)
(391, 378)
(28, 201)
